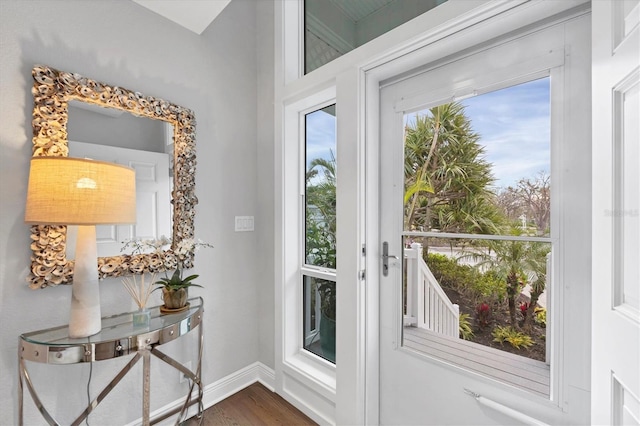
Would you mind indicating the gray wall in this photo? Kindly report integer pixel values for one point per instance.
(265, 185)
(225, 77)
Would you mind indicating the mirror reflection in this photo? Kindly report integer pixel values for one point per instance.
(143, 144)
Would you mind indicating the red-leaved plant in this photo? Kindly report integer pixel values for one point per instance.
(483, 311)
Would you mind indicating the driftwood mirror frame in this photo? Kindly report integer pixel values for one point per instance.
(52, 90)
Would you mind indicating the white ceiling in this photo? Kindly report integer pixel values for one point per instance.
(194, 15)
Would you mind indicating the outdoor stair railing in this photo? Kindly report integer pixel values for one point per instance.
(311, 319)
(427, 305)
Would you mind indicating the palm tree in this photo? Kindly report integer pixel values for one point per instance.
(536, 265)
(447, 180)
(516, 262)
(321, 212)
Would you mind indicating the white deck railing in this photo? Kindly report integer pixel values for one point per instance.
(311, 322)
(428, 306)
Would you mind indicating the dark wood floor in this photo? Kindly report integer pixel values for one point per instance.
(254, 405)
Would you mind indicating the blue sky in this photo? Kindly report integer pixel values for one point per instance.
(514, 127)
(513, 124)
(321, 135)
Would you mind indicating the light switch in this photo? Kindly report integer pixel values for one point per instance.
(244, 223)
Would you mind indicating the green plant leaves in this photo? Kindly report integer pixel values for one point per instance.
(176, 281)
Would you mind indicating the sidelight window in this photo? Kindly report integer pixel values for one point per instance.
(319, 265)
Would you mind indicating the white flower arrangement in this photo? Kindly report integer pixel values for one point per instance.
(189, 245)
(178, 259)
(182, 250)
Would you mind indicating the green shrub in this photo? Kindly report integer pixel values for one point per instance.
(465, 327)
(512, 336)
(485, 287)
(540, 316)
(449, 273)
(488, 285)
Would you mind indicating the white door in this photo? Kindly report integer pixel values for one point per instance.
(153, 194)
(443, 379)
(615, 372)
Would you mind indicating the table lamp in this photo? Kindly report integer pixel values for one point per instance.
(74, 191)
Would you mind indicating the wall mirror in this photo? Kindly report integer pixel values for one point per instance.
(53, 93)
(146, 145)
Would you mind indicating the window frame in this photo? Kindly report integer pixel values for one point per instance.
(307, 269)
(554, 292)
(563, 103)
(300, 364)
(359, 74)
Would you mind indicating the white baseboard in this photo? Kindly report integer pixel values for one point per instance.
(219, 390)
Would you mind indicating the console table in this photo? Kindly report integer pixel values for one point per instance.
(118, 337)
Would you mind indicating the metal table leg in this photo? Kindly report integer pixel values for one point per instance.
(146, 385)
(20, 391)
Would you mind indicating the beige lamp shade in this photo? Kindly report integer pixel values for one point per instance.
(74, 191)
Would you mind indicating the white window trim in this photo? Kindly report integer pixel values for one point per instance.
(563, 387)
(461, 24)
(298, 364)
(550, 64)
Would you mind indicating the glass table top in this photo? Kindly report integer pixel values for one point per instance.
(119, 336)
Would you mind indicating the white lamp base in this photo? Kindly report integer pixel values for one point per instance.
(85, 318)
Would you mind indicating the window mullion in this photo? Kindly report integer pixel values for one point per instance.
(320, 273)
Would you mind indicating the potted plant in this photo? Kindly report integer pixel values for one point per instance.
(175, 289)
(327, 292)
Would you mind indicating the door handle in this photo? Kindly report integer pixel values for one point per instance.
(385, 258)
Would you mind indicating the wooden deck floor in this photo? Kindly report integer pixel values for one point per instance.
(253, 406)
(515, 370)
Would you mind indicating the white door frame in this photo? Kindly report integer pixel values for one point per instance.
(452, 26)
(526, 58)
(440, 44)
